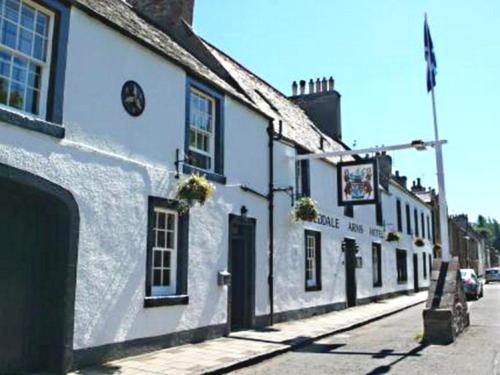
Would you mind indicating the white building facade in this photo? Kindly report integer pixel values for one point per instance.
(99, 111)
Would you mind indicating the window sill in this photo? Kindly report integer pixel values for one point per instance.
(211, 176)
(31, 123)
(181, 299)
(313, 288)
(378, 285)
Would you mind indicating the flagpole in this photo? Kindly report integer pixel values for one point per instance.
(443, 207)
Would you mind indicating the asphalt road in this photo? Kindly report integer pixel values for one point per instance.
(391, 345)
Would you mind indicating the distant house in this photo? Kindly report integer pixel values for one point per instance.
(104, 107)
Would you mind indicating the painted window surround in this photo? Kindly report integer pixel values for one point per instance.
(317, 237)
(180, 297)
(217, 175)
(51, 124)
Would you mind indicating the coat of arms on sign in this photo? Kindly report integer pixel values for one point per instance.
(358, 182)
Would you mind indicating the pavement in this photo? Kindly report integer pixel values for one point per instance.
(392, 345)
(244, 348)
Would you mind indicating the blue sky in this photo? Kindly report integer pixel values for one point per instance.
(374, 50)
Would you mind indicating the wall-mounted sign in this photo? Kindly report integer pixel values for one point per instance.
(328, 221)
(355, 228)
(357, 182)
(375, 232)
(133, 99)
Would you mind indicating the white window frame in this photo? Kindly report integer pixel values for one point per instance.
(158, 291)
(45, 65)
(211, 135)
(311, 263)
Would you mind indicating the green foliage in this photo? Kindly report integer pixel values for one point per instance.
(305, 209)
(488, 228)
(393, 237)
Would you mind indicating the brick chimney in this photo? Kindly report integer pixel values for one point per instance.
(321, 104)
(165, 12)
(401, 180)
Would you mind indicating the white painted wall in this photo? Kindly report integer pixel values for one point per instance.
(290, 257)
(112, 162)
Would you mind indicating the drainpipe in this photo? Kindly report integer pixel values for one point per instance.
(271, 138)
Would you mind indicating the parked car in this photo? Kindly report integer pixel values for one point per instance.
(492, 274)
(472, 285)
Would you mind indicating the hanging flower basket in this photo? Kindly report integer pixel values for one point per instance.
(437, 247)
(305, 209)
(393, 237)
(194, 189)
(419, 242)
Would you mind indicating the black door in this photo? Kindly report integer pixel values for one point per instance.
(32, 291)
(415, 272)
(350, 271)
(242, 269)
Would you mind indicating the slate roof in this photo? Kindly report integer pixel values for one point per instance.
(297, 127)
(249, 88)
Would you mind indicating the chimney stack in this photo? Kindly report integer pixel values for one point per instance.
(165, 12)
(321, 104)
(295, 88)
(401, 180)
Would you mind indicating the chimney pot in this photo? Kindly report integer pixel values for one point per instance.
(295, 88)
(324, 85)
(311, 86)
(302, 87)
(331, 84)
(318, 85)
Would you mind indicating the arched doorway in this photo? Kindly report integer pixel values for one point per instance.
(38, 256)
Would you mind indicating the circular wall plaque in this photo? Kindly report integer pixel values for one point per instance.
(133, 99)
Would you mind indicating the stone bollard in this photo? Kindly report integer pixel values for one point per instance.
(446, 314)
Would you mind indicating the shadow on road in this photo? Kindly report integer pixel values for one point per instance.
(384, 353)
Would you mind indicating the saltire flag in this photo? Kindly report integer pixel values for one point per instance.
(430, 58)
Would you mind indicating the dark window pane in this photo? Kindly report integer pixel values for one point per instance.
(19, 73)
(166, 259)
(161, 220)
(16, 95)
(166, 277)
(4, 84)
(171, 222)
(157, 259)
(161, 239)
(9, 34)
(42, 23)
(39, 51)
(157, 277)
(25, 44)
(28, 17)
(31, 101)
(12, 10)
(198, 160)
(4, 65)
(170, 240)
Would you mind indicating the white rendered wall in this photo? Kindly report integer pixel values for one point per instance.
(290, 291)
(112, 162)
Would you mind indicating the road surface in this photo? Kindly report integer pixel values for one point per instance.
(392, 346)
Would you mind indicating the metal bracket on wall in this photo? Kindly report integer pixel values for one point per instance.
(279, 135)
(178, 162)
(288, 190)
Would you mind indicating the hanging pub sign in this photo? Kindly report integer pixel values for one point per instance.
(357, 182)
